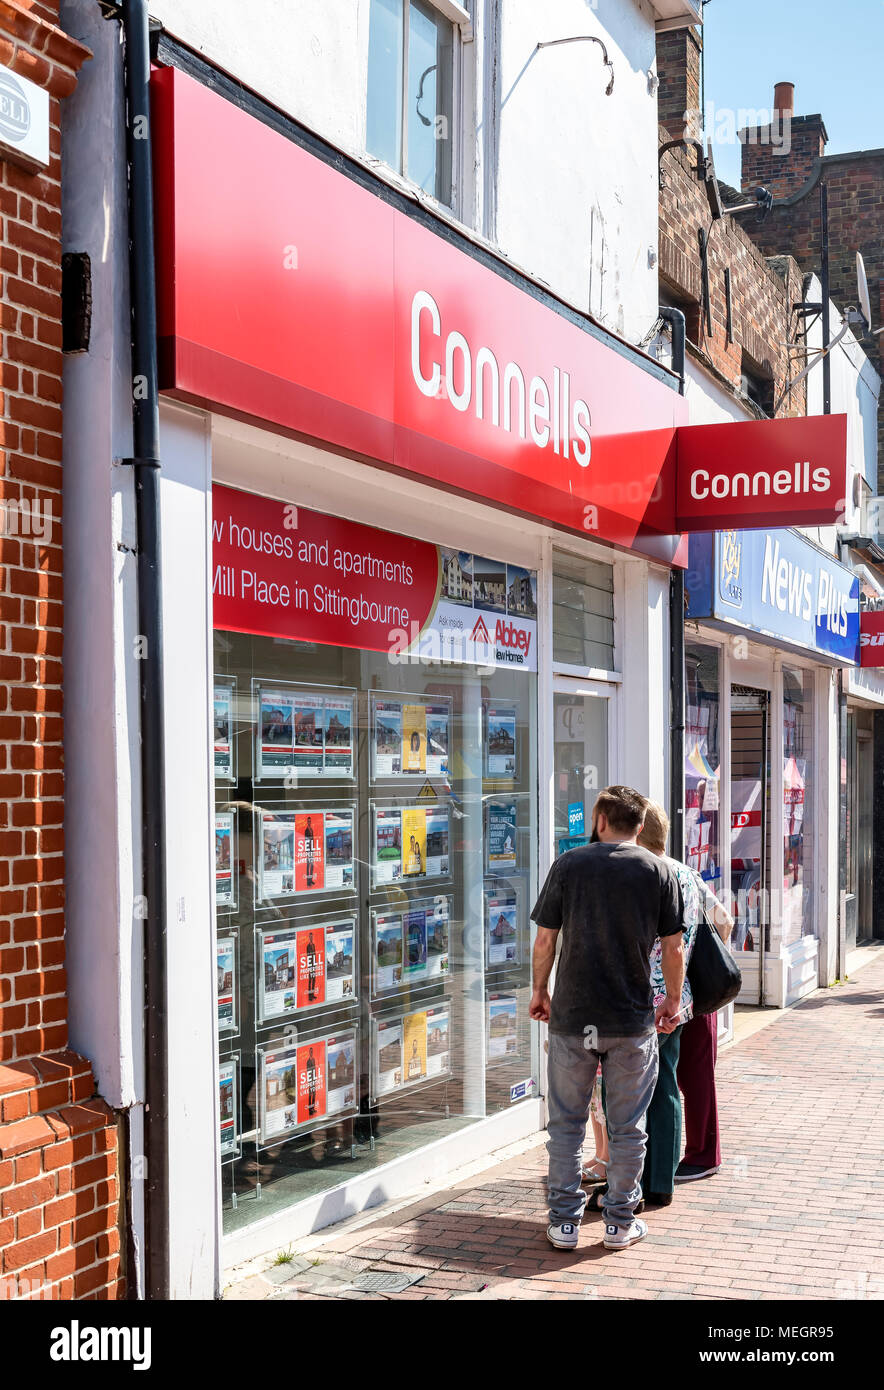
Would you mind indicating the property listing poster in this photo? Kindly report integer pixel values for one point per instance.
(310, 966)
(387, 738)
(503, 1038)
(414, 842)
(501, 836)
(410, 842)
(388, 951)
(410, 738)
(225, 956)
(388, 1046)
(306, 966)
(307, 851)
(414, 738)
(414, 1042)
(413, 1048)
(500, 741)
(278, 973)
(227, 1096)
(438, 1043)
(223, 741)
(224, 859)
(308, 1083)
(305, 732)
(502, 938)
(438, 717)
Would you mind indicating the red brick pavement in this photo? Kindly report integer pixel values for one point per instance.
(796, 1212)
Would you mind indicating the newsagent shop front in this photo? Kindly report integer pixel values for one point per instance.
(420, 673)
(772, 620)
(419, 521)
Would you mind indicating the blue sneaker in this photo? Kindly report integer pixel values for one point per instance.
(564, 1235)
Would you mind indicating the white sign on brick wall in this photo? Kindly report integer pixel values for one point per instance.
(24, 121)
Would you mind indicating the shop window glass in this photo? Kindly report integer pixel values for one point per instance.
(703, 762)
(410, 92)
(798, 915)
(583, 612)
(376, 860)
(580, 770)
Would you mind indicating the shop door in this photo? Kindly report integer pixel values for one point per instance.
(580, 759)
(750, 792)
(864, 768)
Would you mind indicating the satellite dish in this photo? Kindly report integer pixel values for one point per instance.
(862, 290)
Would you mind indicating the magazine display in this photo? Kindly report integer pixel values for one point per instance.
(225, 957)
(303, 967)
(228, 1088)
(309, 851)
(500, 741)
(500, 836)
(305, 732)
(411, 946)
(223, 732)
(410, 843)
(502, 1035)
(224, 881)
(304, 1085)
(409, 737)
(412, 1048)
(502, 929)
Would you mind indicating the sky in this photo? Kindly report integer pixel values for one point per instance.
(832, 52)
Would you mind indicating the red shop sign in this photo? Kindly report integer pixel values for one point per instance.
(291, 295)
(871, 638)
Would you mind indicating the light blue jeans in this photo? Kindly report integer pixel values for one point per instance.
(630, 1076)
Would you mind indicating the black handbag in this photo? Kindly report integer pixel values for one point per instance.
(713, 974)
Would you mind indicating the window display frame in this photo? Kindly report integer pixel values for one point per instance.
(493, 996)
(400, 806)
(230, 905)
(437, 1004)
(406, 700)
(307, 809)
(228, 683)
(294, 772)
(279, 1050)
(232, 1062)
(501, 708)
(380, 914)
(496, 887)
(292, 929)
(230, 934)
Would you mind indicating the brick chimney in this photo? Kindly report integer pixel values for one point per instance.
(678, 68)
(781, 156)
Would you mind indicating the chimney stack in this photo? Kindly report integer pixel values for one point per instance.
(784, 99)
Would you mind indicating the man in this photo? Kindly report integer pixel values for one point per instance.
(610, 900)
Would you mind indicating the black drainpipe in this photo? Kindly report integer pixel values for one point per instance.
(146, 466)
(676, 320)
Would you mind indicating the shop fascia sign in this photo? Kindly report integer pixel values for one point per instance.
(871, 637)
(346, 322)
(778, 585)
(24, 121)
(288, 572)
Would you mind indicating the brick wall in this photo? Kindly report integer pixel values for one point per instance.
(58, 1142)
(762, 292)
(855, 184)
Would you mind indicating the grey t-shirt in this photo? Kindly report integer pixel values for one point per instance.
(611, 902)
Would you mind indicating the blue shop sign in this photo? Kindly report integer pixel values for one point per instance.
(778, 584)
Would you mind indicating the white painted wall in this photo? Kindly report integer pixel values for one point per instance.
(577, 192)
(560, 176)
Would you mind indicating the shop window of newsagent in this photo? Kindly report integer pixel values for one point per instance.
(376, 837)
(703, 762)
(797, 914)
